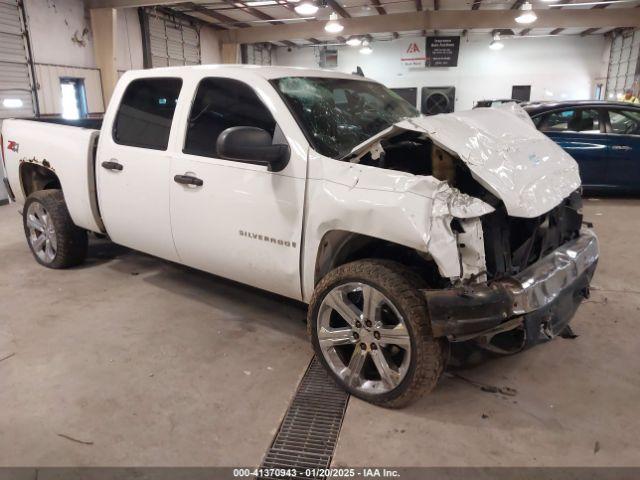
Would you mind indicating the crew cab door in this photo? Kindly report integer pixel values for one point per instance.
(580, 131)
(133, 166)
(233, 218)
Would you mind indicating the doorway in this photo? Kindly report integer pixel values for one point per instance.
(74, 98)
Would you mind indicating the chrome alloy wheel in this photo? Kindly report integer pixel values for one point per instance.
(42, 233)
(364, 338)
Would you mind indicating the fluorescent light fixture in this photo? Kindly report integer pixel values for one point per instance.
(306, 8)
(12, 103)
(527, 15)
(354, 41)
(260, 3)
(333, 25)
(496, 43)
(366, 48)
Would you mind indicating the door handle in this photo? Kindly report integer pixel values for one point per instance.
(112, 165)
(188, 180)
(623, 148)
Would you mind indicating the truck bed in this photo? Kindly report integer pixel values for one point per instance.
(66, 148)
(90, 123)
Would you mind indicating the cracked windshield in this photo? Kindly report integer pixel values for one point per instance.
(339, 114)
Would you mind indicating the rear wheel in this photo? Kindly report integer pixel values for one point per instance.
(52, 236)
(369, 327)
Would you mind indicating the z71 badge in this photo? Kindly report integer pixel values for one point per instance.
(13, 146)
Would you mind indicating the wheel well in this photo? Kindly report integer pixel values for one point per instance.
(339, 247)
(34, 177)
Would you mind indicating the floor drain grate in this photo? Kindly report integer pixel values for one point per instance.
(309, 431)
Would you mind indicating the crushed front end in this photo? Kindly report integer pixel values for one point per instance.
(538, 271)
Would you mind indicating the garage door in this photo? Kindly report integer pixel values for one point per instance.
(172, 41)
(623, 63)
(16, 92)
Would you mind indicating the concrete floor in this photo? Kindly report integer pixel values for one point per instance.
(157, 365)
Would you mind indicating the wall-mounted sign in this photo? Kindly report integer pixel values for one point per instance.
(413, 55)
(442, 51)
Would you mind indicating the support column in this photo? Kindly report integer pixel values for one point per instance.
(230, 53)
(104, 26)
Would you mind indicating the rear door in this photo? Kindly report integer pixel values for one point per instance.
(623, 132)
(133, 167)
(581, 132)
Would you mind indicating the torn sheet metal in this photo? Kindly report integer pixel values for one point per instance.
(504, 152)
(466, 248)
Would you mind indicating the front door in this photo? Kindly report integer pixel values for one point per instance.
(580, 131)
(133, 168)
(623, 131)
(236, 219)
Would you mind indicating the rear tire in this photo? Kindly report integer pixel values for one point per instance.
(55, 241)
(385, 352)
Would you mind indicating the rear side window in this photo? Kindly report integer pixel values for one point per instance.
(579, 120)
(221, 103)
(146, 112)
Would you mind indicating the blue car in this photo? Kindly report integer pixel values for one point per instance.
(603, 137)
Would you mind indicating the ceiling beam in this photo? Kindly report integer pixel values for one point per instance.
(438, 20)
(338, 9)
(525, 31)
(476, 4)
(221, 17)
(378, 6)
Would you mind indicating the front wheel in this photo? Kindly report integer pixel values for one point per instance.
(54, 240)
(369, 328)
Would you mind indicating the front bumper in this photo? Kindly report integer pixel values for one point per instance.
(546, 294)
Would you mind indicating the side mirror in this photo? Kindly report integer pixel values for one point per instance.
(252, 145)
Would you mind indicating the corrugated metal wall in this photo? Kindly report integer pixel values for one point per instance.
(172, 41)
(49, 90)
(16, 91)
(623, 64)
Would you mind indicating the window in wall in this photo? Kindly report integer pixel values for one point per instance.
(575, 120)
(222, 103)
(146, 112)
(625, 122)
(74, 98)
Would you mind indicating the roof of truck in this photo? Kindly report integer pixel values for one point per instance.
(266, 72)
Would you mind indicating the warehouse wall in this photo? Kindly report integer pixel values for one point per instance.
(563, 67)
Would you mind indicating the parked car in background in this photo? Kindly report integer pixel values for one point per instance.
(603, 137)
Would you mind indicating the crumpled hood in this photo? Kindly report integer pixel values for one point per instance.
(505, 153)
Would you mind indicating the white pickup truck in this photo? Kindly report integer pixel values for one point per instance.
(403, 233)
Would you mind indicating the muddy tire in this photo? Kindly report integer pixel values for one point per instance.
(52, 236)
(370, 329)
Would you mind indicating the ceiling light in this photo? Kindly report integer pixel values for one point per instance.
(333, 25)
(527, 15)
(306, 8)
(496, 43)
(354, 41)
(366, 49)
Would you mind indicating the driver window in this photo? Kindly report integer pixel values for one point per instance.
(625, 122)
(221, 103)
